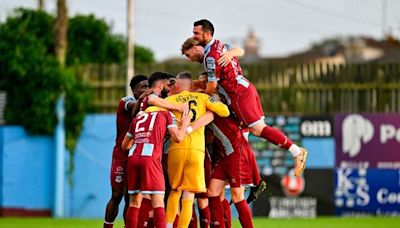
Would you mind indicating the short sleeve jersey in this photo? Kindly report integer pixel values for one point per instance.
(227, 132)
(145, 103)
(123, 119)
(199, 103)
(228, 77)
(148, 131)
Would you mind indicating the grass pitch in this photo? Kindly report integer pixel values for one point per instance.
(321, 222)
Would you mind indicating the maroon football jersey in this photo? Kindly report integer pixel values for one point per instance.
(145, 103)
(227, 135)
(148, 131)
(230, 77)
(123, 119)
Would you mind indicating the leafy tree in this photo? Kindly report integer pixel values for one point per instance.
(89, 38)
(91, 41)
(33, 78)
(143, 55)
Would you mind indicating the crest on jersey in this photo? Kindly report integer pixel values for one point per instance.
(119, 179)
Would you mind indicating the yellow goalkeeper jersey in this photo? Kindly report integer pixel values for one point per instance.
(199, 104)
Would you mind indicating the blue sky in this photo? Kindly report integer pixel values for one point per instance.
(283, 27)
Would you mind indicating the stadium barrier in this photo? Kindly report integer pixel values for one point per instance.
(352, 170)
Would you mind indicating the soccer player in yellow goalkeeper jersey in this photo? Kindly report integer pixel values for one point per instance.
(186, 159)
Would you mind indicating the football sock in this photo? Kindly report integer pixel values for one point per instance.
(217, 215)
(186, 213)
(173, 206)
(276, 137)
(132, 217)
(294, 150)
(193, 220)
(204, 217)
(227, 213)
(159, 217)
(176, 221)
(144, 211)
(244, 214)
(150, 221)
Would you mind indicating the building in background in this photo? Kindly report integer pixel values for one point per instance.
(251, 46)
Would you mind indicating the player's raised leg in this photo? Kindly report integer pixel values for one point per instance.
(248, 109)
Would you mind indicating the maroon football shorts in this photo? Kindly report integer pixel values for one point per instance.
(145, 175)
(118, 169)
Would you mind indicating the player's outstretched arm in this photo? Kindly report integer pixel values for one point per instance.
(178, 134)
(162, 103)
(227, 56)
(205, 119)
(214, 104)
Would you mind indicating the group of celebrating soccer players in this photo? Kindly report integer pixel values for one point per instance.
(188, 139)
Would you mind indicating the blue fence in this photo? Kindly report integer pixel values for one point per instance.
(27, 169)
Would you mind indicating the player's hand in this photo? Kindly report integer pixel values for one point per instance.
(145, 94)
(183, 107)
(185, 119)
(225, 58)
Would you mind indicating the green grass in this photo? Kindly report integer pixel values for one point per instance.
(322, 222)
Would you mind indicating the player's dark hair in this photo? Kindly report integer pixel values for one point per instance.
(184, 75)
(207, 26)
(204, 73)
(170, 75)
(136, 80)
(156, 76)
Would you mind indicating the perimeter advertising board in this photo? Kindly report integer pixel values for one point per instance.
(367, 175)
(367, 140)
(363, 191)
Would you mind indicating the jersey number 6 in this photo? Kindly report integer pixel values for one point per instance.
(192, 103)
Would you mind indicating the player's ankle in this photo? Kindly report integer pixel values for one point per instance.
(294, 150)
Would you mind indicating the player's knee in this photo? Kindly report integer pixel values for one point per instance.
(126, 197)
(212, 192)
(188, 195)
(202, 203)
(117, 195)
(237, 194)
(134, 201)
(257, 129)
(157, 201)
